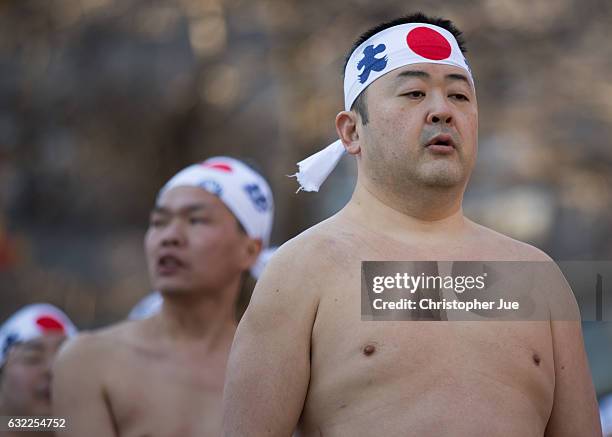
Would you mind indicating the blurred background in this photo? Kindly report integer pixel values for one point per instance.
(101, 101)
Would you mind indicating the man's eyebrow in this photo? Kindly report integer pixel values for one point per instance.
(457, 76)
(160, 210)
(32, 346)
(186, 208)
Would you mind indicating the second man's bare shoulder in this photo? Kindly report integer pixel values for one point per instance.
(81, 374)
(91, 351)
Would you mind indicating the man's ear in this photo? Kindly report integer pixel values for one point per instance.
(251, 252)
(346, 126)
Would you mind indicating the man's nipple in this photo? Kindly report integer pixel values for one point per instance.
(369, 349)
(536, 359)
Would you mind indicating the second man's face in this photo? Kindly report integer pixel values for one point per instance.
(26, 376)
(193, 243)
(423, 123)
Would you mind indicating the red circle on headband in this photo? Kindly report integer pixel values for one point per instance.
(218, 166)
(48, 323)
(428, 43)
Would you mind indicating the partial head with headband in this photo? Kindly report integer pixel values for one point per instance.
(32, 322)
(387, 50)
(243, 190)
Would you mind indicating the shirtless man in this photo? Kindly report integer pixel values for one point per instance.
(29, 341)
(303, 359)
(163, 375)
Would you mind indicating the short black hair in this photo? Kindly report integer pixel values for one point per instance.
(359, 105)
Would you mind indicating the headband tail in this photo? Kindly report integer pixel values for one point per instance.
(314, 170)
(262, 261)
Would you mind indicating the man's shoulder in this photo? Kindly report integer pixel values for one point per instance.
(508, 248)
(96, 346)
(315, 247)
(330, 235)
(302, 265)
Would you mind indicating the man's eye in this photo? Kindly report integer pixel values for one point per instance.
(199, 220)
(32, 359)
(156, 222)
(460, 97)
(414, 94)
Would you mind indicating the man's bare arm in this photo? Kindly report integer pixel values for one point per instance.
(77, 390)
(575, 412)
(269, 365)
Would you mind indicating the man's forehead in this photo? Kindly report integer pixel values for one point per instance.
(185, 197)
(41, 343)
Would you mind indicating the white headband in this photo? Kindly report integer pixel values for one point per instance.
(147, 306)
(392, 48)
(244, 191)
(31, 322)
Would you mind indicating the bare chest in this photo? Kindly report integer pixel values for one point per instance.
(165, 396)
(365, 367)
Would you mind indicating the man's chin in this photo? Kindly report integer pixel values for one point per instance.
(439, 181)
(172, 286)
(174, 291)
(441, 175)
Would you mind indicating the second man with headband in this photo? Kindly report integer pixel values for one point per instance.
(163, 375)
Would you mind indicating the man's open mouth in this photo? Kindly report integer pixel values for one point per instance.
(444, 140)
(167, 264)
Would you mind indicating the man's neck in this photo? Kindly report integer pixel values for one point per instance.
(198, 316)
(420, 211)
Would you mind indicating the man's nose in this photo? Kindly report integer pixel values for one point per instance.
(48, 366)
(173, 234)
(440, 112)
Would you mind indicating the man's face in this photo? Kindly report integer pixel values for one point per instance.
(422, 129)
(26, 376)
(193, 242)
